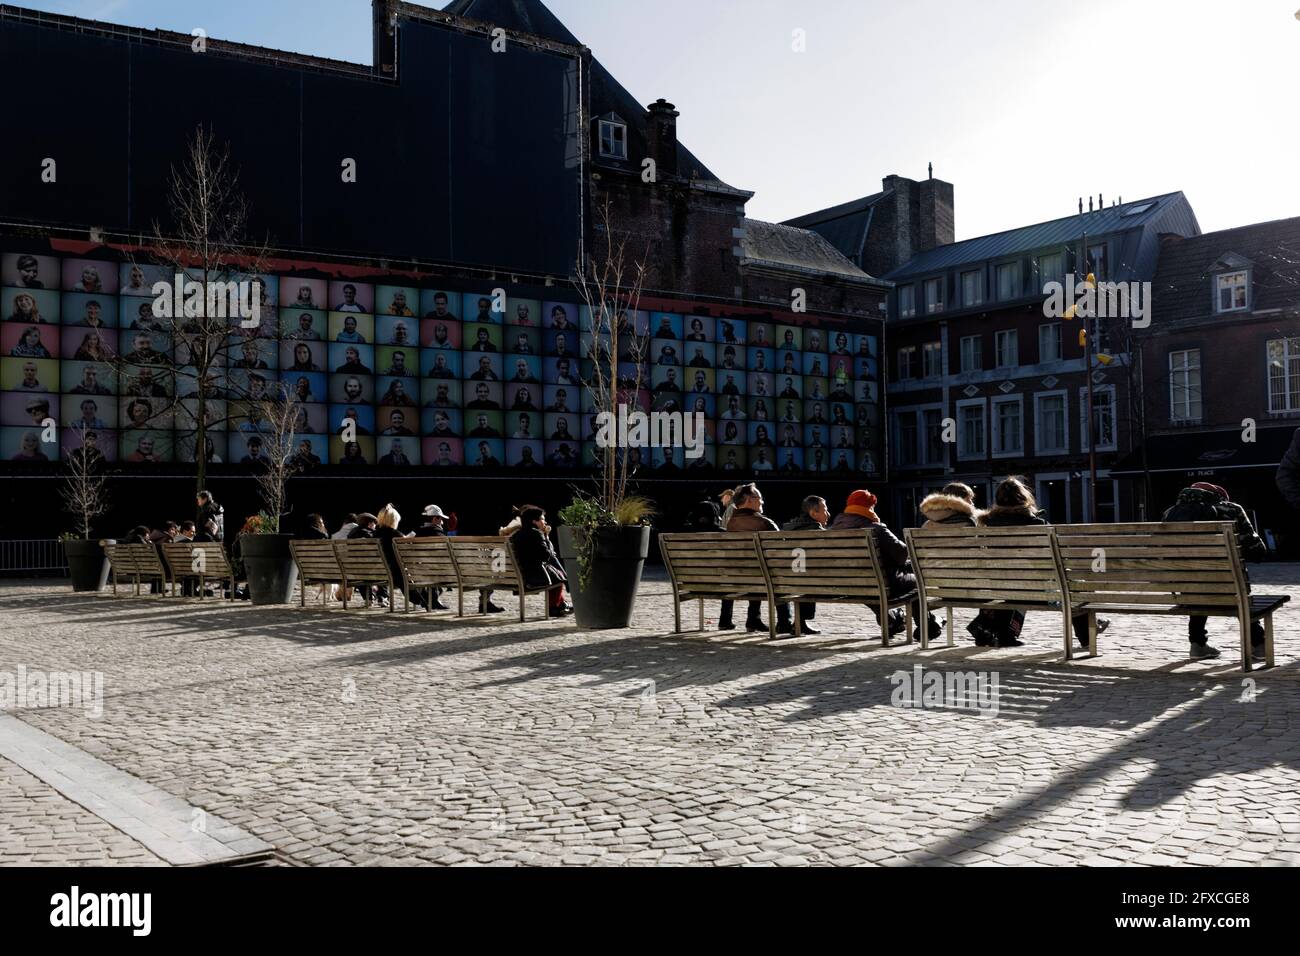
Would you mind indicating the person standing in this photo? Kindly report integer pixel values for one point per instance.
(1206, 502)
(813, 516)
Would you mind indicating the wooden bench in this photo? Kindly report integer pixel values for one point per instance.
(317, 564)
(716, 566)
(488, 564)
(426, 563)
(362, 562)
(138, 561)
(828, 567)
(1173, 568)
(198, 561)
(988, 568)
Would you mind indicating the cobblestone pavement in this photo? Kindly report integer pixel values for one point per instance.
(373, 738)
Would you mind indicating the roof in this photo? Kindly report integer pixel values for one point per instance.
(608, 95)
(1167, 213)
(795, 250)
(1271, 250)
(845, 226)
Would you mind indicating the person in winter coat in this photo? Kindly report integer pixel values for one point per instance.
(860, 512)
(1288, 473)
(1206, 502)
(209, 510)
(813, 516)
(746, 518)
(1013, 506)
(314, 529)
(955, 505)
(704, 517)
(537, 559)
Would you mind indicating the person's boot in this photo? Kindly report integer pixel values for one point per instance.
(983, 636)
(1203, 652)
(784, 623)
(936, 630)
(1102, 624)
(485, 606)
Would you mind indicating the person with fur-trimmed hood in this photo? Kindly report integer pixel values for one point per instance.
(1206, 502)
(955, 505)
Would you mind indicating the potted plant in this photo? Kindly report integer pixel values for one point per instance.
(605, 537)
(264, 551)
(85, 498)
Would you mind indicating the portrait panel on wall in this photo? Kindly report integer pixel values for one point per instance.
(102, 445)
(137, 315)
(311, 419)
(349, 296)
(664, 352)
(523, 398)
(526, 313)
(731, 458)
(587, 402)
(816, 413)
(762, 459)
(841, 376)
(397, 452)
(398, 332)
(351, 328)
(789, 460)
(396, 301)
(352, 418)
(137, 446)
(525, 426)
(360, 451)
(29, 445)
(525, 454)
(351, 388)
(867, 416)
(816, 461)
(704, 461)
(667, 401)
(842, 438)
(397, 362)
(788, 435)
(441, 423)
(30, 306)
(706, 405)
(138, 279)
(400, 392)
(216, 410)
(731, 408)
(633, 324)
(482, 424)
(562, 344)
(866, 346)
(698, 355)
(351, 359)
(561, 427)
(304, 356)
(869, 460)
(484, 307)
(523, 369)
(789, 338)
(726, 383)
(761, 334)
(83, 344)
(761, 360)
(440, 364)
(696, 328)
(442, 452)
(816, 436)
(816, 364)
(842, 462)
(29, 341)
(732, 332)
(146, 348)
(866, 369)
(666, 379)
(79, 378)
(667, 459)
(560, 371)
(480, 337)
(789, 386)
(24, 270)
(439, 333)
(311, 451)
(868, 392)
(34, 409)
(254, 354)
(789, 411)
(78, 411)
(440, 305)
(760, 384)
(483, 396)
(298, 293)
(440, 394)
(561, 316)
(731, 358)
(216, 445)
(666, 326)
(595, 346)
(92, 311)
(485, 452)
(482, 368)
(730, 433)
(252, 386)
(839, 343)
(761, 409)
(563, 454)
(91, 276)
(137, 412)
(148, 381)
(816, 339)
(633, 399)
(788, 363)
(523, 341)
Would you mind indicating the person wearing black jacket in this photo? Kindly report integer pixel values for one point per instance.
(537, 559)
(314, 529)
(813, 516)
(209, 510)
(433, 528)
(366, 524)
(1206, 502)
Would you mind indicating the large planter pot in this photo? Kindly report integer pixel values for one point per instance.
(87, 564)
(269, 566)
(608, 599)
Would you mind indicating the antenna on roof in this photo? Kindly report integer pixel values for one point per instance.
(1101, 202)
(932, 170)
(1080, 205)
(1089, 204)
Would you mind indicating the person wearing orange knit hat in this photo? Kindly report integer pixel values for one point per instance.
(860, 513)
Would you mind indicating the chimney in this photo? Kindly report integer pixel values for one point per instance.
(937, 224)
(661, 131)
(384, 13)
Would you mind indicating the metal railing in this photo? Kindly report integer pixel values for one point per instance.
(32, 556)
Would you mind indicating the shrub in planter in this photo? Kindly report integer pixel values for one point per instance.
(604, 552)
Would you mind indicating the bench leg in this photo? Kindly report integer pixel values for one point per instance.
(1067, 629)
(343, 587)
(700, 602)
(1246, 662)
(1092, 633)
(1268, 639)
(884, 623)
(798, 620)
(951, 642)
(907, 621)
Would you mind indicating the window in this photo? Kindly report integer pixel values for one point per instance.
(907, 301)
(972, 353)
(1008, 275)
(905, 435)
(1007, 344)
(613, 140)
(1051, 268)
(934, 450)
(906, 363)
(970, 429)
(933, 295)
(1103, 417)
(1098, 265)
(1284, 375)
(1232, 291)
(972, 288)
(1049, 343)
(1185, 386)
(1049, 424)
(1008, 429)
(932, 360)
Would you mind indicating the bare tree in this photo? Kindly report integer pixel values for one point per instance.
(277, 422)
(84, 491)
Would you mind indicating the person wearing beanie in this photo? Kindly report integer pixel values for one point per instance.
(1206, 502)
(860, 513)
(955, 505)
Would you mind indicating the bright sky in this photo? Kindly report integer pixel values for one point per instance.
(1023, 104)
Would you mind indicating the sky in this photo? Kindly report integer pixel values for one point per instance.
(1024, 105)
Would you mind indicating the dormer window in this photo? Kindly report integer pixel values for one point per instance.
(1231, 291)
(613, 139)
